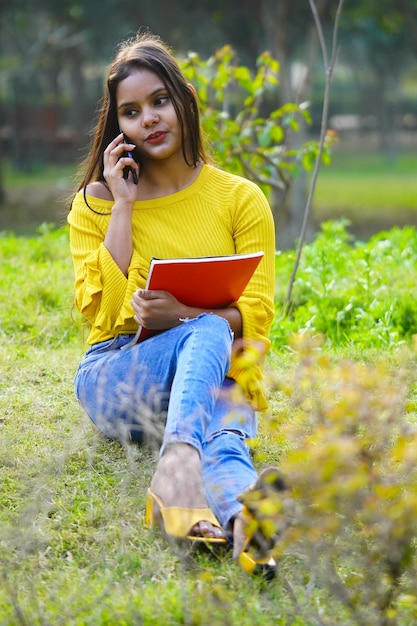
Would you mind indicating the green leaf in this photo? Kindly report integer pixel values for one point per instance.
(277, 134)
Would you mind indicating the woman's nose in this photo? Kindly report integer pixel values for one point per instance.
(150, 118)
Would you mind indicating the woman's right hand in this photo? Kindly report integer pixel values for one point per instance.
(118, 239)
(114, 161)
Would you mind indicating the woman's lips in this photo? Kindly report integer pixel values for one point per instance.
(156, 137)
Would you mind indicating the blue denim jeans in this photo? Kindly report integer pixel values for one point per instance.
(173, 388)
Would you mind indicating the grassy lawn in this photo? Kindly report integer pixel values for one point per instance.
(74, 549)
(372, 193)
(366, 187)
(40, 175)
(73, 545)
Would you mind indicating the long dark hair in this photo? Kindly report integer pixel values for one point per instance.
(149, 52)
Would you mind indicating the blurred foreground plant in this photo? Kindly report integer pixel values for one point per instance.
(351, 464)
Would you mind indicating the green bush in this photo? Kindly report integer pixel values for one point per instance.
(350, 462)
(351, 292)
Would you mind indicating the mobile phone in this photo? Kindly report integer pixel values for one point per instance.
(129, 169)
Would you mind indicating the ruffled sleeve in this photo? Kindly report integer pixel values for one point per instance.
(254, 230)
(102, 292)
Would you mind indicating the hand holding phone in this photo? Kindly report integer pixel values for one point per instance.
(129, 169)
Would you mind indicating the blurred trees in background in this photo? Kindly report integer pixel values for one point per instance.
(54, 57)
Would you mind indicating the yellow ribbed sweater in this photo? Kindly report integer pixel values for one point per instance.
(219, 214)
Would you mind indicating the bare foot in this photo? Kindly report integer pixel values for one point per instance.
(177, 481)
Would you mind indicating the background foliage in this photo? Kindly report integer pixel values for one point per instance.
(343, 290)
(53, 58)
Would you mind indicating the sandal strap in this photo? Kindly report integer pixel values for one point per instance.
(180, 521)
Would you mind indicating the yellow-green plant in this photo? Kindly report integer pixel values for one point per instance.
(351, 468)
(250, 135)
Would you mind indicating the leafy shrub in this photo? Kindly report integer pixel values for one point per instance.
(351, 292)
(233, 100)
(351, 467)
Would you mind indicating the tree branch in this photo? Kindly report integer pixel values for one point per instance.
(329, 68)
(280, 185)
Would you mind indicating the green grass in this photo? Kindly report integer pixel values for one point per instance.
(366, 186)
(360, 185)
(73, 546)
(39, 175)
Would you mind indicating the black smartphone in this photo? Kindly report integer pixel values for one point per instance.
(128, 169)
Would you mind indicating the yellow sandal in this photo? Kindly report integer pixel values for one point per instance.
(251, 561)
(178, 521)
(263, 530)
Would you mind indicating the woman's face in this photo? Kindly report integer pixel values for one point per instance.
(147, 116)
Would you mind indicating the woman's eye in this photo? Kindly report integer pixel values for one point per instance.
(161, 100)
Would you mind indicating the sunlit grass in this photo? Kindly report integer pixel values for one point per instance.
(356, 182)
(363, 185)
(74, 549)
(38, 175)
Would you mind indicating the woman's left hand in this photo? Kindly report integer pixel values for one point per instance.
(157, 309)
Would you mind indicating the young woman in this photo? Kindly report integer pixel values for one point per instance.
(149, 190)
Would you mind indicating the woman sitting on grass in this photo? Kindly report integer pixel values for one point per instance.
(149, 190)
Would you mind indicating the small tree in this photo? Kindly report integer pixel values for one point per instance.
(246, 139)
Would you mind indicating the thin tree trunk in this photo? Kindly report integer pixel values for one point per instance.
(289, 211)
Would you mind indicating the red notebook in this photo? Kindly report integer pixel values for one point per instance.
(204, 282)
